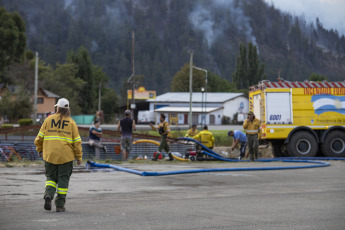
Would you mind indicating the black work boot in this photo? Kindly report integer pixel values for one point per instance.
(171, 158)
(60, 209)
(155, 158)
(48, 202)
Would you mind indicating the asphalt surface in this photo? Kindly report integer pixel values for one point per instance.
(106, 199)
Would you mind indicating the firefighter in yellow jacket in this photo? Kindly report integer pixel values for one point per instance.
(164, 131)
(252, 127)
(206, 138)
(59, 142)
(192, 131)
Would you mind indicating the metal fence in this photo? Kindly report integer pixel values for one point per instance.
(27, 150)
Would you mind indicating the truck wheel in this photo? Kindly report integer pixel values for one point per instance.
(302, 144)
(334, 145)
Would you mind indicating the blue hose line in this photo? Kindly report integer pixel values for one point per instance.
(315, 164)
(203, 146)
(211, 153)
(314, 158)
(93, 164)
(220, 157)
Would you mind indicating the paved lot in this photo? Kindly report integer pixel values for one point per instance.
(106, 199)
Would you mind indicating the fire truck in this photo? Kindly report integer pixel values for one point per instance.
(301, 119)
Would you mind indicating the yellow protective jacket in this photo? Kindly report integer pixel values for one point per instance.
(252, 127)
(164, 126)
(206, 138)
(59, 140)
(190, 133)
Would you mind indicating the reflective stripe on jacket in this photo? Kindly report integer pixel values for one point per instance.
(59, 140)
(252, 127)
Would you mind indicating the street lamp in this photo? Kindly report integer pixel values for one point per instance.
(205, 86)
(202, 106)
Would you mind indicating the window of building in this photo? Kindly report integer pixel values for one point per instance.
(195, 118)
(40, 100)
(173, 118)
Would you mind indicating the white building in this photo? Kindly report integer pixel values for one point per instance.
(176, 107)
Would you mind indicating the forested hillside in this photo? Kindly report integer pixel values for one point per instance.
(166, 30)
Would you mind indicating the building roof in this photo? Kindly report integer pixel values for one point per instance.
(12, 89)
(196, 97)
(177, 109)
(50, 94)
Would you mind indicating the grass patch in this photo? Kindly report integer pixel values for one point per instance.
(220, 136)
(23, 163)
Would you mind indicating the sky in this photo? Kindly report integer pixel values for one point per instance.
(330, 12)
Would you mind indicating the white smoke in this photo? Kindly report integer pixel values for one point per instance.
(205, 18)
(94, 46)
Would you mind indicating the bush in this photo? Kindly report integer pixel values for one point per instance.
(225, 120)
(6, 126)
(222, 139)
(25, 122)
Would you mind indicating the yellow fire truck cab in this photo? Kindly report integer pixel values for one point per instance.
(301, 118)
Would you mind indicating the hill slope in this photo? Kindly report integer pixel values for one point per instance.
(166, 30)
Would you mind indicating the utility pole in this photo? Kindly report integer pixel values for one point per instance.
(205, 70)
(133, 80)
(190, 88)
(36, 87)
(99, 96)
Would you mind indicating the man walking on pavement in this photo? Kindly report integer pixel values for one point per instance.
(60, 144)
(127, 126)
(252, 127)
(238, 137)
(164, 131)
(95, 134)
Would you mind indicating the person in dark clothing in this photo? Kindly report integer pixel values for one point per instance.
(127, 126)
(95, 134)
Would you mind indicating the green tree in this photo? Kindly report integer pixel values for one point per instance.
(239, 77)
(317, 77)
(85, 72)
(12, 37)
(217, 84)
(6, 106)
(255, 70)
(63, 82)
(110, 104)
(17, 105)
(180, 82)
(22, 107)
(248, 71)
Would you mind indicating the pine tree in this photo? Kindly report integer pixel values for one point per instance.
(248, 71)
(88, 94)
(12, 37)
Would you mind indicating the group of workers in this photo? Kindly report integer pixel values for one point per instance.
(250, 138)
(59, 143)
(251, 125)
